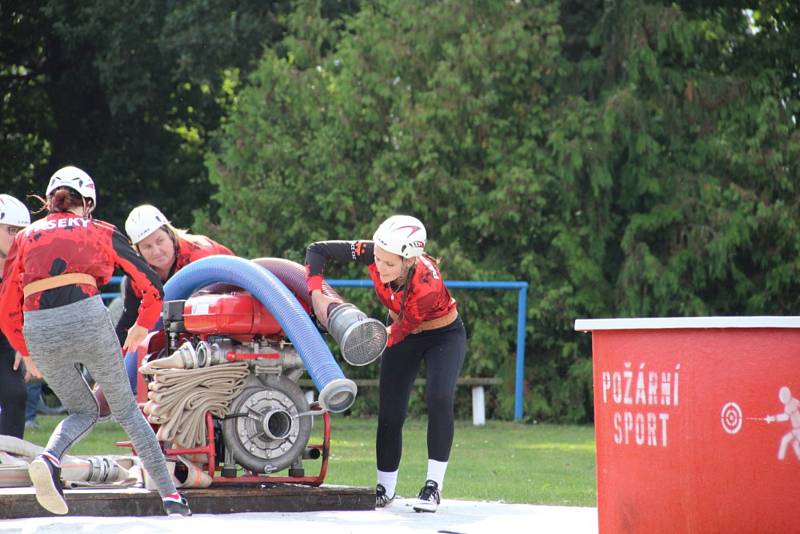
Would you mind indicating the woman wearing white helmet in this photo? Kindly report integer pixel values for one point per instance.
(166, 250)
(52, 312)
(14, 216)
(425, 326)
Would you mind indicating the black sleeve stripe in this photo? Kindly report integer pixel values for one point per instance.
(130, 310)
(126, 253)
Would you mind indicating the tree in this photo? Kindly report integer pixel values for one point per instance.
(430, 109)
(624, 158)
(128, 91)
(25, 118)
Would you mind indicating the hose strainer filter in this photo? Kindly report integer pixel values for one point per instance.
(360, 338)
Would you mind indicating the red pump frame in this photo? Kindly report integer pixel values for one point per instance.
(208, 449)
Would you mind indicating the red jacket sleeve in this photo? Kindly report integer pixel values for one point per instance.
(11, 297)
(146, 281)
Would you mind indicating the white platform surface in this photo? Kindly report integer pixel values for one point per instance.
(453, 517)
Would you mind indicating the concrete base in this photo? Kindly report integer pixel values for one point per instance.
(21, 502)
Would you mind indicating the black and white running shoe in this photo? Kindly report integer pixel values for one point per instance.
(381, 499)
(429, 498)
(176, 507)
(46, 479)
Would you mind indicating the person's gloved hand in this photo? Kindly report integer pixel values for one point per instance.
(321, 302)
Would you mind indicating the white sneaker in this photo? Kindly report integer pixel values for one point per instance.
(381, 499)
(46, 479)
(429, 498)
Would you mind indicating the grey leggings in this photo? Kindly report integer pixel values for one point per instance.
(81, 333)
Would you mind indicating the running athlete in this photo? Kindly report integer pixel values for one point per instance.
(425, 326)
(51, 311)
(14, 216)
(166, 250)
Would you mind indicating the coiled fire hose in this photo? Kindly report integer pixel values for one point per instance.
(94, 471)
(180, 398)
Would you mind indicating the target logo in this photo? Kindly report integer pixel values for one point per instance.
(731, 417)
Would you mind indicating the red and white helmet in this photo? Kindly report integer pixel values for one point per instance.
(403, 235)
(13, 212)
(74, 178)
(142, 221)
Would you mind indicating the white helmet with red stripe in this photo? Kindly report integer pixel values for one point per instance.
(74, 178)
(143, 221)
(13, 212)
(403, 235)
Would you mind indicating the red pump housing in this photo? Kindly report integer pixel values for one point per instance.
(233, 313)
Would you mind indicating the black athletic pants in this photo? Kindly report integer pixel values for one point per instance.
(13, 393)
(443, 351)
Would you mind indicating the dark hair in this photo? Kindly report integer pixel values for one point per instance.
(406, 289)
(62, 200)
(407, 283)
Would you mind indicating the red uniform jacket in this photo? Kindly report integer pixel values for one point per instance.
(427, 298)
(186, 252)
(64, 243)
(189, 251)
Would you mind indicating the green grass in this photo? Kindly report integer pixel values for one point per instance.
(100, 441)
(502, 461)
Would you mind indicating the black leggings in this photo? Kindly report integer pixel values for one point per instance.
(13, 393)
(443, 351)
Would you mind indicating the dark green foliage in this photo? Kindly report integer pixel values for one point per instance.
(25, 119)
(625, 158)
(126, 90)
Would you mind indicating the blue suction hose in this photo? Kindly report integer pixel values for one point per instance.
(336, 393)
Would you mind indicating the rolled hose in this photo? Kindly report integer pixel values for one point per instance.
(77, 470)
(336, 393)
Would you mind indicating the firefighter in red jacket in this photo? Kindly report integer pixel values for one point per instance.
(166, 250)
(425, 326)
(52, 313)
(14, 216)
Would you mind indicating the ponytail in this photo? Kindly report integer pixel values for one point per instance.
(62, 200)
(406, 289)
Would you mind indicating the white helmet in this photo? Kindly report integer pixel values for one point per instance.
(13, 212)
(74, 178)
(402, 235)
(143, 221)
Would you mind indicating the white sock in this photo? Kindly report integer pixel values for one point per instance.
(388, 479)
(436, 472)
